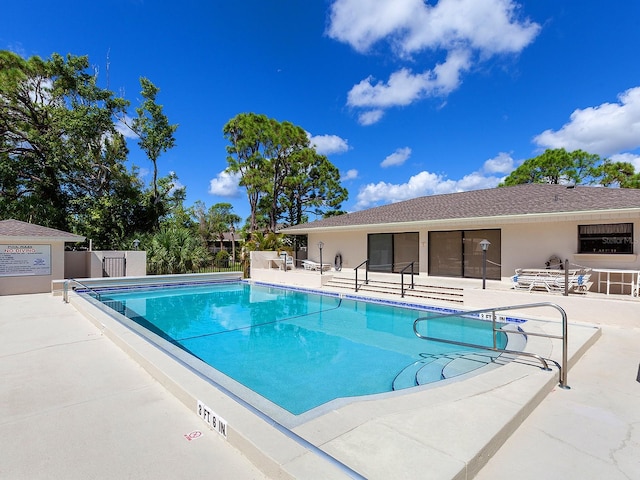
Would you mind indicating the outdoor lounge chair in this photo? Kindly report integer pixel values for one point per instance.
(551, 280)
(311, 265)
(578, 282)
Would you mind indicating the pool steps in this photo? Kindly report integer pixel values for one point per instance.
(425, 292)
(436, 367)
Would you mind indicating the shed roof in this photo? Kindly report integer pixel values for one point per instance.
(517, 201)
(16, 230)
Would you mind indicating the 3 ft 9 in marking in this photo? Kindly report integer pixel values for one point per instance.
(212, 419)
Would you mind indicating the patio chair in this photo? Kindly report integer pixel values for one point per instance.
(289, 263)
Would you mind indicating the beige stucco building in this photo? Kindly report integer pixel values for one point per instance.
(33, 259)
(526, 224)
(31, 256)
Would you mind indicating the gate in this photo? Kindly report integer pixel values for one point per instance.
(114, 267)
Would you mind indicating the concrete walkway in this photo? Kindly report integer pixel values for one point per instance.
(75, 406)
(589, 432)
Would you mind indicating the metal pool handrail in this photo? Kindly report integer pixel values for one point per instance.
(366, 273)
(562, 368)
(402, 272)
(65, 292)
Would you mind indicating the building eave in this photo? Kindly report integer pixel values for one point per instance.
(489, 220)
(38, 240)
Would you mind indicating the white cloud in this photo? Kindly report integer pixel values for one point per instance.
(463, 28)
(397, 158)
(424, 183)
(350, 175)
(502, 163)
(606, 129)
(370, 117)
(328, 144)
(491, 26)
(405, 87)
(428, 183)
(225, 184)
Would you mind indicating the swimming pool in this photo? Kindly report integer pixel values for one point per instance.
(297, 349)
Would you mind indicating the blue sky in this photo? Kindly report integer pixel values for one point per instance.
(406, 97)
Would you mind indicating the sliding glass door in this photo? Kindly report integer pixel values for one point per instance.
(458, 253)
(391, 252)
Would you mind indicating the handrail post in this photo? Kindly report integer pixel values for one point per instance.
(412, 284)
(356, 269)
(366, 272)
(402, 272)
(493, 325)
(565, 365)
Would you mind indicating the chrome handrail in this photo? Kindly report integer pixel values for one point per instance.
(366, 273)
(402, 272)
(65, 291)
(561, 368)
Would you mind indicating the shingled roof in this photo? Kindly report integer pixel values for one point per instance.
(15, 229)
(516, 201)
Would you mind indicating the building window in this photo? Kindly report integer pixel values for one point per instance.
(605, 238)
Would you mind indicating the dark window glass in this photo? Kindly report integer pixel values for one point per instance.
(605, 238)
(391, 252)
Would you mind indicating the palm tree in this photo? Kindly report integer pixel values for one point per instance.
(260, 241)
(175, 250)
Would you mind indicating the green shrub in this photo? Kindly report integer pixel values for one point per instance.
(222, 259)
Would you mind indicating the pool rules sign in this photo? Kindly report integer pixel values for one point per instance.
(212, 419)
(23, 260)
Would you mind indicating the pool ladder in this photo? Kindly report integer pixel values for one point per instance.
(562, 368)
(67, 284)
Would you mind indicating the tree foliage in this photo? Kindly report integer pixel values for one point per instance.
(155, 134)
(284, 177)
(313, 187)
(215, 222)
(63, 159)
(557, 166)
(59, 142)
(622, 174)
(175, 249)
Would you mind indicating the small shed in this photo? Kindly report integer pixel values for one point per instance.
(31, 256)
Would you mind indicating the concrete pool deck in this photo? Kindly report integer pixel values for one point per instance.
(73, 405)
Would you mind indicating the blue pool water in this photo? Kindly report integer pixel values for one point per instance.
(297, 349)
